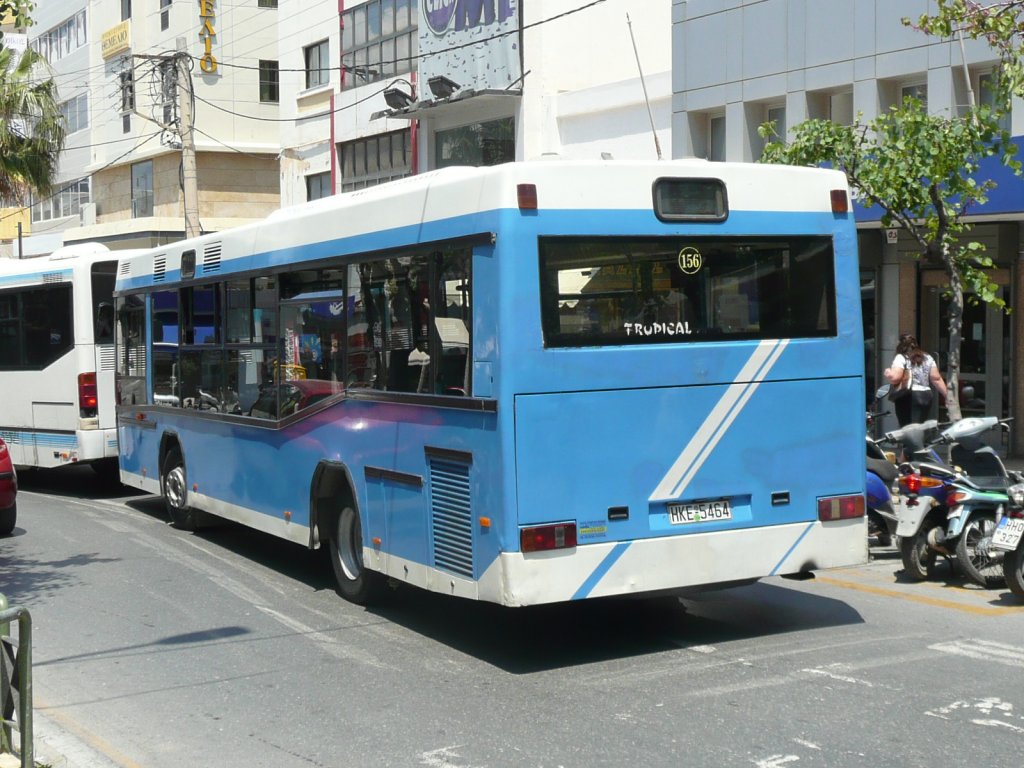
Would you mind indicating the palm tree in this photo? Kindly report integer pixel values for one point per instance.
(31, 126)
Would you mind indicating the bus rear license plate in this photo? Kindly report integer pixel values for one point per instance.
(699, 512)
(1007, 535)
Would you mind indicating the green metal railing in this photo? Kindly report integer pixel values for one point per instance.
(16, 681)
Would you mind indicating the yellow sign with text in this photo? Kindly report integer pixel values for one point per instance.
(116, 39)
(207, 17)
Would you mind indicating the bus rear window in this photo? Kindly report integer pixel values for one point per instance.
(608, 291)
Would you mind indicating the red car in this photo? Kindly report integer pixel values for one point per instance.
(8, 491)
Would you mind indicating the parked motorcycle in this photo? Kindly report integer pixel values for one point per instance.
(960, 525)
(881, 474)
(1008, 538)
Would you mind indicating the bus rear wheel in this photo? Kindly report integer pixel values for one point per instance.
(355, 583)
(174, 482)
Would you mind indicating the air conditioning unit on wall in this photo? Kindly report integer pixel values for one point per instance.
(87, 214)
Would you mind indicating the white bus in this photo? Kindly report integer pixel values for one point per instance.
(57, 358)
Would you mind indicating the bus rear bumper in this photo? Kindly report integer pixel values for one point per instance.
(96, 444)
(673, 562)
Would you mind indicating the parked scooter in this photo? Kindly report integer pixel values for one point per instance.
(1009, 539)
(881, 474)
(922, 515)
(962, 523)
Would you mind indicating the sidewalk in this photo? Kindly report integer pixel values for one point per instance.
(57, 747)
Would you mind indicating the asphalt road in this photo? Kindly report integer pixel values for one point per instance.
(226, 648)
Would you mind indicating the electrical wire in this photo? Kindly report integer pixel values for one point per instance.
(102, 168)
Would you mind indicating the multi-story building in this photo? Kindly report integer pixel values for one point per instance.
(738, 64)
(511, 80)
(120, 178)
(290, 99)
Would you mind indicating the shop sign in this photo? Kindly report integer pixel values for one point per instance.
(207, 15)
(116, 39)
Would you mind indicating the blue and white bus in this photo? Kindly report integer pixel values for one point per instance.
(528, 383)
(57, 358)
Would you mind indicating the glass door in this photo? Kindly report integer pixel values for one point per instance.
(984, 350)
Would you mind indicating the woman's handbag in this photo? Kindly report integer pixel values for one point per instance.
(902, 389)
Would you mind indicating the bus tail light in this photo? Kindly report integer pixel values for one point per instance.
(840, 201)
(840, 508)
(526, 195)
(544, 537)
(87, 394)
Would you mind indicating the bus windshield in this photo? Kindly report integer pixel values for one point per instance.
(609, 291)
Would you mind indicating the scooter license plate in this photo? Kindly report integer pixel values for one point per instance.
(1007, 535)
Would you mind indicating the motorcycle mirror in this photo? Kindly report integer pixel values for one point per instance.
(881, 392)
(967, 392)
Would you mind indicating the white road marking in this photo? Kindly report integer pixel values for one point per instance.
(827, 672)
(775, 760)
(984, 650)
(808, 744)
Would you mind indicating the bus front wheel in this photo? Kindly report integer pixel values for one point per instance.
(175, 491)
(355, 583)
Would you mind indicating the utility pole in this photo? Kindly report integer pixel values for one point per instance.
(189, 174)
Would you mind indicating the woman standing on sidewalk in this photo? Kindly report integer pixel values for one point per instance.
(914, 373)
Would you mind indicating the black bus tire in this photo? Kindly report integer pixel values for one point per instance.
(355, 582)
(174, 487)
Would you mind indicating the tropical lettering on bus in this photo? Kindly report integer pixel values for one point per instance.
(655, 329)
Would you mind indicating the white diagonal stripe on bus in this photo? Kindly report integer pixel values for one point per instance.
(983, 650)
(718, 421)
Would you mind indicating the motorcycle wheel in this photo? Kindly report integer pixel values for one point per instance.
(1013, 570)
(974, 555)
(919, 560)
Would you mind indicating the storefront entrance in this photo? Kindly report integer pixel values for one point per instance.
(984, 351)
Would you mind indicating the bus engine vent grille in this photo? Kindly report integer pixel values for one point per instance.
(450, 516)
(107, 357)
(124, 268)
(159, 268)
(211, 258)
(52, 277)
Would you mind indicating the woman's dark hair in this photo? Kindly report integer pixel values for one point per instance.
(908, 347)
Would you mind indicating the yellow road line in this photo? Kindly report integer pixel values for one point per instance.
(978, 610)
(93, 741)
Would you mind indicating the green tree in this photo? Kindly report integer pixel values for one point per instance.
(921, 171)
(1000, 24)
(32, 127)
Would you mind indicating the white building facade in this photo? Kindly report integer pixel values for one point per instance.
(120, 175)
(737, 64)
(530, 79)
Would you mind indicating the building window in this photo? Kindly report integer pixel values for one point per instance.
(987, 97)
(836, 106)
(127, 83)
(378, 40)
(777, 115)
(917, 91)
(368, 162)
(142, 189)
(268, 81)
(66, 201)
(76, 113)
(267, 4)
(57, 42)
(168, 89)
(317, 64)
(716, 138)
(489, 143)
(318, 185)
(126, 10)
(165, 14)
